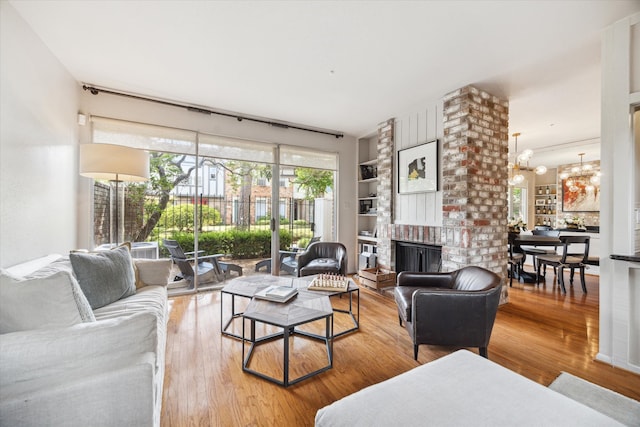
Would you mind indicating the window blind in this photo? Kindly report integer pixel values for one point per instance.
(143, 136)
(181, 141)
(308, 158)
(225, 147)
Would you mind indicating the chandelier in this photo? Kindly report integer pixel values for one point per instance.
(581, 176)
(515, 176)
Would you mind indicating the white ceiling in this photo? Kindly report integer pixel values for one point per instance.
(347, 65)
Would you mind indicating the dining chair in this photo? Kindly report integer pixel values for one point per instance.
(535, 251)
(570, 258)
(516, 259)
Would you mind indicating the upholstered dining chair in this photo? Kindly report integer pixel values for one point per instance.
(450, 309)
(570, 259)
(323, 257)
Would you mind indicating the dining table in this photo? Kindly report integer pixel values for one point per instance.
(523, 242)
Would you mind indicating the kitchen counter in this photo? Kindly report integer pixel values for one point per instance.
(631, 258)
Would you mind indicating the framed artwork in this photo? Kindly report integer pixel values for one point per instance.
(580, 200)
(540, 202)
(365, 205)
(418, 168)
(368, 172)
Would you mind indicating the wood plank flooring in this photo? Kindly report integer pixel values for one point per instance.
(538, 334)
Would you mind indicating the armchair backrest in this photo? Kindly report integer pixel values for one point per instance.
(326, 250)
(469, 278)
(433, 280)
(472, 278)
(333, 250)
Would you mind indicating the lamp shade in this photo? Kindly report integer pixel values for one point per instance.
(113, 162)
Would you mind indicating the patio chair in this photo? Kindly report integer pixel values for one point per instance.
(208, 269)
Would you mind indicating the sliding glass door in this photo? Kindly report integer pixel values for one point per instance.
(206, 196)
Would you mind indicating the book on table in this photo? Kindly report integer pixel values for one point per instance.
(277, 293)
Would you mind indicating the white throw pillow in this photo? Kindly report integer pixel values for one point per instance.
(41, 302)
(152, 271)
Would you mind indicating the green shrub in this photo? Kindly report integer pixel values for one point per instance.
(300, 222)
(181, 217)
(303, 242)
(262, 221)
(240, 244)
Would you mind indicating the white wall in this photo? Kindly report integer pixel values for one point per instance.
(38, 139)
(412, 129)
(147, 112)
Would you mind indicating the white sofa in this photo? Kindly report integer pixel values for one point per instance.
(74, 370)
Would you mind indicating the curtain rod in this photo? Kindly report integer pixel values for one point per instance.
(95, 91)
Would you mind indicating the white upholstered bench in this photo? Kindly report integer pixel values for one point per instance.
(460, 389)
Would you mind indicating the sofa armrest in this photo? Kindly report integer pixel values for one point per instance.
(33, 354)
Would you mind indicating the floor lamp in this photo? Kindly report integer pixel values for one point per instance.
(114, 163)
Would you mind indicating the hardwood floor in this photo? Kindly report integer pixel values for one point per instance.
(538, 334)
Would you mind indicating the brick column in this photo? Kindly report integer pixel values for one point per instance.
(474, 171)
(385, 192)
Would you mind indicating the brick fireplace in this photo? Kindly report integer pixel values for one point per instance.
(474, 186)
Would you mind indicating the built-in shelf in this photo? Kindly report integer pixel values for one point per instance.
(545, 207)
(367, 201)
(363, 181)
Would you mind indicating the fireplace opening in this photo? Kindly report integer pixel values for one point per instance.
(418, 257)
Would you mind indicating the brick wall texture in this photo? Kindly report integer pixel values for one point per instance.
(474, 180)
(384, 218)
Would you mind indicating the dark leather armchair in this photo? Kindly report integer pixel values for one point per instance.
(323, 257)
(450, 309)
